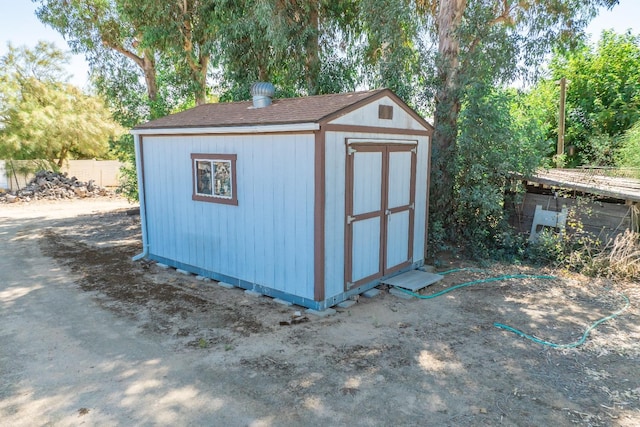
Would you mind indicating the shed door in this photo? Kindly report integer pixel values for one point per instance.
(380, 209)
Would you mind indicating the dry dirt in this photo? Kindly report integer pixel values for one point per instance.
(87, 336)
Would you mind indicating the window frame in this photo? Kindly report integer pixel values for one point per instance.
(200, 197)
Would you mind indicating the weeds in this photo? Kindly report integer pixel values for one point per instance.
(621, 257)
(579, 250)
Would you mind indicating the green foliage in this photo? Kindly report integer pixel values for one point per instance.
(496, 139)
(603, 96)
(629, 154)
(123, 149)
(440, 63)
(301, 47)
(47, 119)
(486, 43)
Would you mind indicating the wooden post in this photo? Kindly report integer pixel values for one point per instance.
(634, 215)
(563, 95)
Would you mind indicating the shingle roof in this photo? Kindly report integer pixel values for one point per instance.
(308, 109)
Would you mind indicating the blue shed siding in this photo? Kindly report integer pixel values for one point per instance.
(267, 239)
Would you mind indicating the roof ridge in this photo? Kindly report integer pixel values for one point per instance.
(301, 109)
(360, 92)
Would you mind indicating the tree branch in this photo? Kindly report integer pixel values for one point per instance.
(118, 48)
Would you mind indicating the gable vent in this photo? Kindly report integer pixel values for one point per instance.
(262, 92)
(385, 112)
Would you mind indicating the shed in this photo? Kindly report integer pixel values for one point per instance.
(603, 200)
(310, 200)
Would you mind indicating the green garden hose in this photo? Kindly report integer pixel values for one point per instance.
(573, 344)
(509, 328)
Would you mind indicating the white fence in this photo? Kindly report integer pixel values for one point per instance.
(103, 172)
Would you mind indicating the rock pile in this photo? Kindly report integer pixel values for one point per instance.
(49, 185)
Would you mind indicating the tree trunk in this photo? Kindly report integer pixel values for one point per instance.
(146, 63)
(312, 63)
(62, 157)
(200, 76)
(442, 200)
(149, 69)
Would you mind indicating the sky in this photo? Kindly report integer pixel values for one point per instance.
(19, 25)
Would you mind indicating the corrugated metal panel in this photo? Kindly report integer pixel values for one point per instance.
(267, 239)
(367, 115)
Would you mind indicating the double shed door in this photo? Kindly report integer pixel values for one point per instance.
(380, 204)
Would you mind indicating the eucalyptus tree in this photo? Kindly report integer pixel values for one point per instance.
(303, 47)
(488, 40)
(90, 26)
(180, 34)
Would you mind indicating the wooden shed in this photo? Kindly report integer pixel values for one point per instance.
(310, 200)
(604, 202)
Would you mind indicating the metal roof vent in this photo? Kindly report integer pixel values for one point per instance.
(262, 93)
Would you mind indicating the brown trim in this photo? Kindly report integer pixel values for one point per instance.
(397, 267)
(384, 201)
(234, 185)
(413, 149)
(318, 216)
(385, 149)
(412, 198)
(426, 208)
(348, 210)
(374, 97)
(363, 216)
(374, 129)
(363, 281)
(403, 148)
(399, 209)
(295, 132)
(349, 181)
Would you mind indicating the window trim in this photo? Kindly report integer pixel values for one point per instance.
(233, 200)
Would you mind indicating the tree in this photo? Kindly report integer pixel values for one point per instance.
(603, 96)
(302, 47)
(182, 32)
(179, 33)
(629, 154)
(480, 38)
(44, 117)
(93, 25)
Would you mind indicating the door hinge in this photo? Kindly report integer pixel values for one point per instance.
(350, 219)
(387, 212)
(412, 206)
(414, 150)
(351, 150)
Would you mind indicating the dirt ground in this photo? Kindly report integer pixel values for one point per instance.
(87, 336)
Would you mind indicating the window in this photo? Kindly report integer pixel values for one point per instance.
(214, 178)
